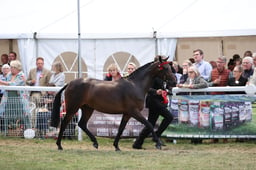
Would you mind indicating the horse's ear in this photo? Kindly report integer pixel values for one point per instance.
(163, 58)
(160, 59)
(166, 58)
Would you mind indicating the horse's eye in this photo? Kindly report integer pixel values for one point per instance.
(166, 68)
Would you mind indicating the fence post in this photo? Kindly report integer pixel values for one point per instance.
(80, 136)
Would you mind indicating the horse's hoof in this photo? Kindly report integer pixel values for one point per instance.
(118, 149)
(134, 146)
(161, 142)
(158, 146)
(95, 145)
(60, 148)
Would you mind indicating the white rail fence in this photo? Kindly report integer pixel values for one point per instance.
(25, 117)
(249, 90)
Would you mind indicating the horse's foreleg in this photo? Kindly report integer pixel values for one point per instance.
(63, 126)
(122, 125)
(86, 114)
(139, 117)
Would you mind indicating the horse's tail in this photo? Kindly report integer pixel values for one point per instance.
(55, 117)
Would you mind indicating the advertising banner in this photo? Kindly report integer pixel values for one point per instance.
(102, 124)
(212, 116)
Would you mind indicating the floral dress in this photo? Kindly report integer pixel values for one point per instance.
(14, 105)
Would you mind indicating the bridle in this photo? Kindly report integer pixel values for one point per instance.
(162, 64)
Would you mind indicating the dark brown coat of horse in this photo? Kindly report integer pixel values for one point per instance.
(125, 96)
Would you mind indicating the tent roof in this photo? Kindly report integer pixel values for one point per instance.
(126, 18)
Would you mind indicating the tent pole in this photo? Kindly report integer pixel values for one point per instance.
(36, 44)
(80, 137)
(79, 41)
(156, 45)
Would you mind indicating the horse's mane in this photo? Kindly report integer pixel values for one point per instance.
(139, 70)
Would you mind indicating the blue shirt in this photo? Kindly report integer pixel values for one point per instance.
(4, 79)
(204, 69)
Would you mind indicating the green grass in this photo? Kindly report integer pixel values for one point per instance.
(36, 154)
(18, 153)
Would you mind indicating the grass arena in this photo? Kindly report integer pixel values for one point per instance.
(19, 153)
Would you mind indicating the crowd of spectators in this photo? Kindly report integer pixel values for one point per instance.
(238, 71)
(15, 105)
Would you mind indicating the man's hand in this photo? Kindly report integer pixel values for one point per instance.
(159, 92)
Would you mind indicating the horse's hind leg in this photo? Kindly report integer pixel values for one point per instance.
(63, 126)
(86, 114)
(122, 125)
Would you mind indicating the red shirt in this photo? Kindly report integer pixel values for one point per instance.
(224, 74)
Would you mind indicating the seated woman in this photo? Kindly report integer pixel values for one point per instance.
(14, 104)
(237, 79)
(58, 76)
(131, 67)
(194, 80)
(113, 73)
(176, 67)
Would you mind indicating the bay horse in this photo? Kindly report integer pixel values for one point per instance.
(124, 96)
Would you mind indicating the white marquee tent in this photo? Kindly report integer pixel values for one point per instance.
(49, 27)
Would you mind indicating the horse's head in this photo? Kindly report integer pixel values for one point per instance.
(160, 67)
(165, 70)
